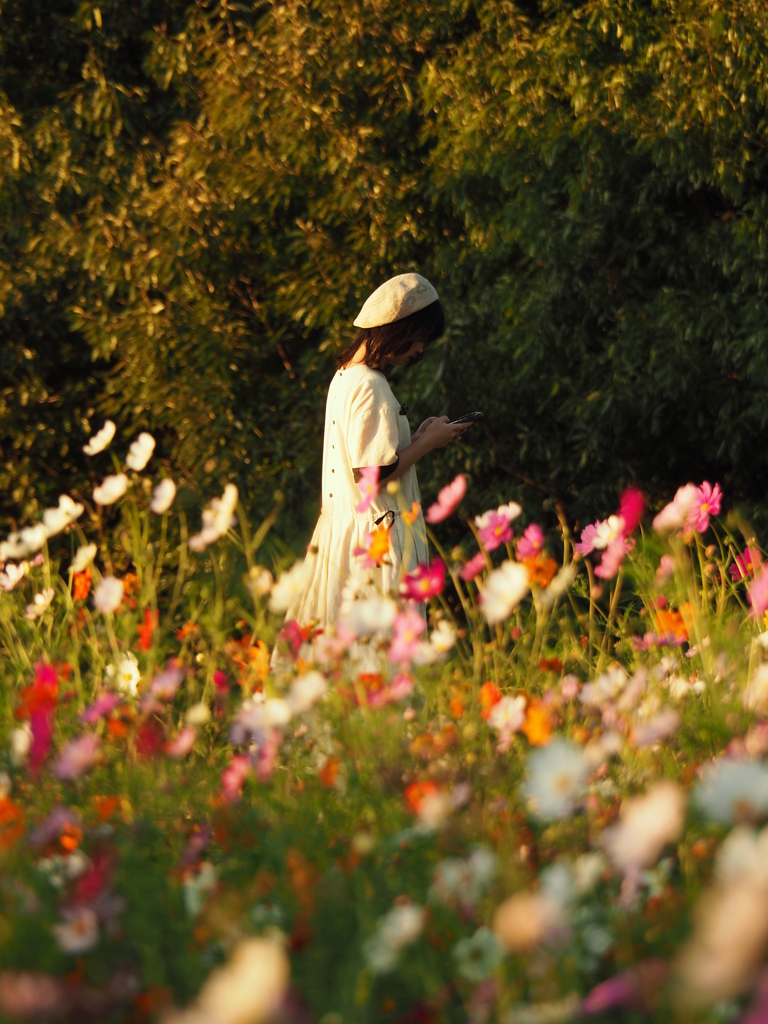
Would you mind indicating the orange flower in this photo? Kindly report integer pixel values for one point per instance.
(379, 548)
(11, 823)
(417, 792)
(430, 745)
(106, 806)
(82, 584)
(130, 583)
(258, 656)
(329, 771)
(541, 569)
(146, 631)
(674, 622)
(490, 694)
(117, 728)
(411, 516)
(456, 707)
(537, 726)
(71, 837)
(186, 631)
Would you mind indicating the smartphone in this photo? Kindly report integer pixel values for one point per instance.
(469, 417)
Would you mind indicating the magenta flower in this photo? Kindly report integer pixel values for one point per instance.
(631, 508)
(447, 500)
(369, 487)
(268, 755)
(426, 582)
(746, 564)
(630, 988)
(181, 746)
(101, 708)
(408, 627)
(497, 531)
(531, 543)
(41, 724)
(77, 757)
(706, 503)
(613, 556)
(473, 567)
(757, 592)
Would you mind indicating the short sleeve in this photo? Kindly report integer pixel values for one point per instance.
(373, 436)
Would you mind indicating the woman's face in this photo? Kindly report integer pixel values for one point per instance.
(413, 352)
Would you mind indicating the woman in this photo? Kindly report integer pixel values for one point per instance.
(366, 426)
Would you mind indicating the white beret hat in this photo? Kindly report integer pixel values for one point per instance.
(396, 298)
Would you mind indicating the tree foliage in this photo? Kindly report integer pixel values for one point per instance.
(195, 199)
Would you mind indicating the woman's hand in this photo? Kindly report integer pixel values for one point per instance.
(441, 431)
(420, 432)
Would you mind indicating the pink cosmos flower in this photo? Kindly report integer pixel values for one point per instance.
(531, 543)
(706, 503)
(598, 535)
(408, 627)
(613, 556)
(181, 746)
(631, 508)
(675, 515)
(497, 531)
(758, 593)
(665, 571)
(101, 708)
(474, 566)
(77, 757)
(268, 755)
(398, 689)
(447, 500)
(369, 487)
(233, 777)
(426, 582)
(166, 683)
(746, 564)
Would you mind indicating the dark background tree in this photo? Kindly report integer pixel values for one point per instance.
(196, 198)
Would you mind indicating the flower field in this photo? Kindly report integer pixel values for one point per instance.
(542, 802)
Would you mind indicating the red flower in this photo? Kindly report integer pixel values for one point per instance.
(146, 631)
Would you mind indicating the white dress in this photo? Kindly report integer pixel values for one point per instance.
(363, 427)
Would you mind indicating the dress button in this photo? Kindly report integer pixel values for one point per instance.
(330, 495)
(333, 470)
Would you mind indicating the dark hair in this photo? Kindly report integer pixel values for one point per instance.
(425, 325)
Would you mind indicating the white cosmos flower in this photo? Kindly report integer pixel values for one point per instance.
(12, 575)
(260, 581)
(198, 714)
(13, 548)
(306, 691)
(508, 714)
(607, 530)
(646, 824)
(674, 515)
(40, 604)
(100, 440)
(369, 616)
(21, 741)
(111, 489)
(443, 636)
(217, 519)
(755, 696)
(396, 930)
(140, 452)
(57, 519)
(125, 674)
(732, 789)
(556, 775)
(509, 512)
(32, 537)
(85, 555)
(108, 595)
(503, 591)
(79, 931)
(289, 586)
(163, 496)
